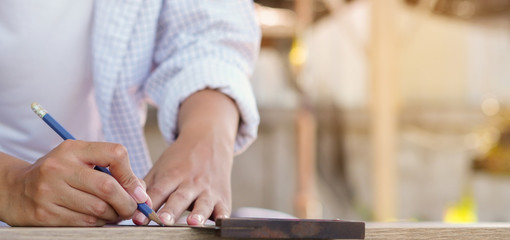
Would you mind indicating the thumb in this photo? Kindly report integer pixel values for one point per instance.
(121, 171)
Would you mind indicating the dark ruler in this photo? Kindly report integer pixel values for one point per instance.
(289, 228)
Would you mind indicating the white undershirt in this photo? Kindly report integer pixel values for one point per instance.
(45, 57)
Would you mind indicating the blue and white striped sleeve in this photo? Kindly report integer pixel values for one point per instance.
(205, 44)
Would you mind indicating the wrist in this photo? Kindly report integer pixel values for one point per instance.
(12, 170)
(208, 132)
(211, 115)
(213, 141)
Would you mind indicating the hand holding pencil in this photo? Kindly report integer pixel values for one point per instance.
(62, 189)
(138, 193)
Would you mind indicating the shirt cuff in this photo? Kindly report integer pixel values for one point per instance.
(217, 75)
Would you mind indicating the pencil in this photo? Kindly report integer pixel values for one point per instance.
(62, 132)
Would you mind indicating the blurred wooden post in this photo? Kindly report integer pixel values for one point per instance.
(306, 203)
(384, 109)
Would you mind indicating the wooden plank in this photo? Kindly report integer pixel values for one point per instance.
(376, 231)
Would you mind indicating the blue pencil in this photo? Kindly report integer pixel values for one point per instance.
(62, 132)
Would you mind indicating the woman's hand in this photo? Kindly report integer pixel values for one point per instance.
(62, 188)
(194, 172)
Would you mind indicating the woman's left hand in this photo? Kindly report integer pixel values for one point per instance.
(194, 172)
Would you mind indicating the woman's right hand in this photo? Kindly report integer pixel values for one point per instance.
(63, 189)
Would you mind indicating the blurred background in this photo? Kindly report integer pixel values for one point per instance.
(395, 110)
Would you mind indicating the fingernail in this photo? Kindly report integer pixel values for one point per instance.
(199, 219)
(140, 195)
(140, 218)
(166, 218)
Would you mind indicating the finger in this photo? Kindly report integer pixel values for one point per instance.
(61, 216)
(222, 210)
(104, 187)
(160, 191)
(139, 218)
(87, 204)
(114, 156)
(177, 203)
(203, 208)
(80, 219)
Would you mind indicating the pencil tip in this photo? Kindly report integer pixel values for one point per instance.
(154, 217)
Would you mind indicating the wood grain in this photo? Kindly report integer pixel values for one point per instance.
(380, 231)
(110, 232)
(438, 231)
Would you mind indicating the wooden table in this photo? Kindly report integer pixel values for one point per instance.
(373, 231)
(394, 231)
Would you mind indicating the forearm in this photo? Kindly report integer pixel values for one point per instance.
(209, 114)
(10, 167)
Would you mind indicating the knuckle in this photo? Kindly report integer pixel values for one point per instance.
(143, 183)
(42, 191)
(127, 212)
(41, 215)
(49, 166)
(156, 190)
(129, 181)
(90, 220)
(204, 205)
(100, 222)
(66, 145)
(205, 201)
(119, 152)
(201, 181)
(183, 196)
(208, 203)
(108, 186)
(175, 171)
(99, 208)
